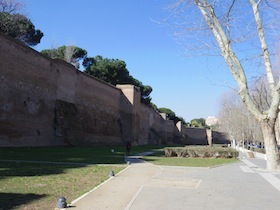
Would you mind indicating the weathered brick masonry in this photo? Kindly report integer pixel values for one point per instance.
(45, 102)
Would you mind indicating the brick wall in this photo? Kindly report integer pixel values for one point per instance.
(46, 102)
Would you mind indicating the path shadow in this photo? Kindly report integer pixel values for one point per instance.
(19, 162)
(22, 169)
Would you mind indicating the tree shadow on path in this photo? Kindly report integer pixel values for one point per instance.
(13, 200)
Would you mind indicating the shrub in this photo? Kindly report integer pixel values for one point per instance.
(176, 152)
(201, 151)
(193, 153)
(181, 152)
(169, 152)
(207, 154)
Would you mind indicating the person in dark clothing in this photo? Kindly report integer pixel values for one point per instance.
(128, 147)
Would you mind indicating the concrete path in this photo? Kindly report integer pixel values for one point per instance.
(144, 186)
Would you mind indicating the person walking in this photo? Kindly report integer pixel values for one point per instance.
(128, 147)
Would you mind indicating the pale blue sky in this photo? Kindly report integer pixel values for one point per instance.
(128, 30)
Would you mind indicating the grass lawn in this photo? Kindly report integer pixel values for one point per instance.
(30, 185)
(38, 185)
(92, 155)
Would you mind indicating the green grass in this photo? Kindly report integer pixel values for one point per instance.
(145, 148)
(92, 155)
(26, 185)
(37, 185)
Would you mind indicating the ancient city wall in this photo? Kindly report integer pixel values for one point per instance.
(200, 136)
(220, 138)
(195, 136)
(46, 102)
(151, 126)
(26, 107)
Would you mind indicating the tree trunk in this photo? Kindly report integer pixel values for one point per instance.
(271, 147)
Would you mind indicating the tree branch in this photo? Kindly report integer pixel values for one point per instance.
(226, 49)
(274, 90)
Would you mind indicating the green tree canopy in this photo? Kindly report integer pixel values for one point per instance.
(171, 115)
(20, 27)
(168, 112)
(71, 54)
(154, 106)
(183, 121)
(114, 71)
(200, 122)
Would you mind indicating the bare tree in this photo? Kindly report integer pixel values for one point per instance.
(11, 6)
(237, 121)
(238, 28)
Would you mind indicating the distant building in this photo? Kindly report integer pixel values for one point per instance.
(210, 121)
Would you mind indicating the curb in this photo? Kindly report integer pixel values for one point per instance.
(84, 195)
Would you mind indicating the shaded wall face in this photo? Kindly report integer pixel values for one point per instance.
(195, 136)
(154, 129)
(157, 130)
(46, 102)
(220, 138)
(151, 126)
(199, 136)
(170, 131)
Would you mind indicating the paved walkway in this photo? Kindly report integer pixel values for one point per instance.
(144, 186)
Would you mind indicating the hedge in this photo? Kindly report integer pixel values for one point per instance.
(201, 151)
